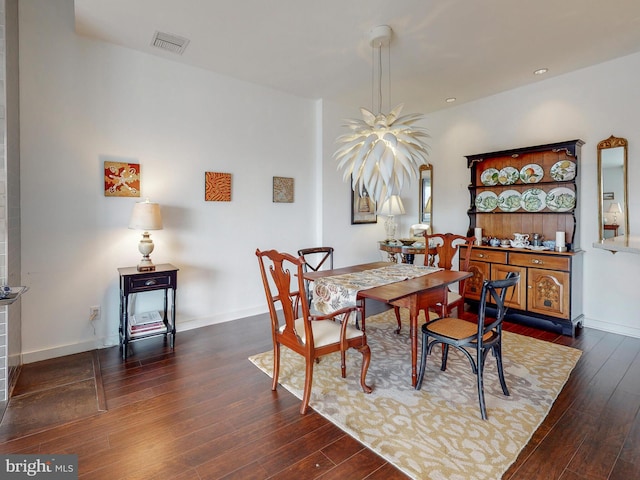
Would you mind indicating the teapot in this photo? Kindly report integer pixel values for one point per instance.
(520, 240)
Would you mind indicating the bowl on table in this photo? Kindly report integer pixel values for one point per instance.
(408, 241)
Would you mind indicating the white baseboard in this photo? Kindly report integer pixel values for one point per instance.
(612, 328)
(113, 340)
(38, 355)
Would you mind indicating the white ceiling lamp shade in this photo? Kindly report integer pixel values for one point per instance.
(381, 152)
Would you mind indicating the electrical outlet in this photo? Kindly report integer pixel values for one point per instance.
(94, 313)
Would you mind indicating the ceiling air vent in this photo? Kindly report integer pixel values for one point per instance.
(169, 42)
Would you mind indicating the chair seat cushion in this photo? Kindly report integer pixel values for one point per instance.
(325, 332)
(454, 328)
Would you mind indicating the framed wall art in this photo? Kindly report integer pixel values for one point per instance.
(121, 179)
(282, 190)
(363, 208)
(217, 187)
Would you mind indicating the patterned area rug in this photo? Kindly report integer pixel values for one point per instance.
(436, 432)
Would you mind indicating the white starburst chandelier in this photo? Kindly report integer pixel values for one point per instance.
(381, 152)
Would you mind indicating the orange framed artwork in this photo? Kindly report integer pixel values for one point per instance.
(121, 179)
(217, 187)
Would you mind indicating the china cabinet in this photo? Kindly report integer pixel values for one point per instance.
(529, 190)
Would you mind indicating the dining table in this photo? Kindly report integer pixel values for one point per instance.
(416, 294)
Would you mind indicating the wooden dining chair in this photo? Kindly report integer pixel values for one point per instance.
(483, 336)
(315, 258)
(441, 251)
(311, 336)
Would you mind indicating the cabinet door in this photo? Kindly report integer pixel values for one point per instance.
(516, 298)
(473, 286)
(549, 292)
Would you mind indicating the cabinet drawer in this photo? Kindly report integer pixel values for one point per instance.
(550, 262)
(150, 282)
(487, 256)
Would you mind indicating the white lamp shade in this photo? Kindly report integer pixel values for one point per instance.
(392, 206)
(146, 216)
(615, 208)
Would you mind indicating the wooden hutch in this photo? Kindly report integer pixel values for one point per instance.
(529, 190)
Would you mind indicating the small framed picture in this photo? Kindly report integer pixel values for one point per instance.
(282, 190)
(608, 196)
(363, 208)
(121, 179)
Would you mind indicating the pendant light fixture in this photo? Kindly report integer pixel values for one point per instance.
(381, 152)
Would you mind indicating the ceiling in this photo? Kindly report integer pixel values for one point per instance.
(320, 48)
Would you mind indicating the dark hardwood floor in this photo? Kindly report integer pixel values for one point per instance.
(204, 411)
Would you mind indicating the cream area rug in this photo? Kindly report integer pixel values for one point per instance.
(435, 432)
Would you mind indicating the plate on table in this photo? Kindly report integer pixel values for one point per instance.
(531, 173)
(508, 175)
(533, 200)
(490, 177)
(561, 199)
(486, 201)
(509, 200)
(563, 171)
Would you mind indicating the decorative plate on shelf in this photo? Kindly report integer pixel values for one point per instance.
(531, 173)
(533, 200)
(508, 175)
(561, 199)
(489, 177)
(486, 201)
(509, 200)
(563, 171)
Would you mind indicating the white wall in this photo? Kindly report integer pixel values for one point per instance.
(84, 102)
(591, 105)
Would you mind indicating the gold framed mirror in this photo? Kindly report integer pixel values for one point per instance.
(613, 215)
(425, 195)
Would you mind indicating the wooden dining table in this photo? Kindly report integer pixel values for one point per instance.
(414, 294)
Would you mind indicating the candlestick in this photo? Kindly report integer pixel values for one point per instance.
(477, 231)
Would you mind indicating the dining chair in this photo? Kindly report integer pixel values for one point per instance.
(483, 336)
(311, 336)
(440, 252)
(314, 259)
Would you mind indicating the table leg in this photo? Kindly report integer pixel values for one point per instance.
(413, 333)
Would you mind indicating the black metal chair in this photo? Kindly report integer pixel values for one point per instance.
(314, 259)
(483, 337)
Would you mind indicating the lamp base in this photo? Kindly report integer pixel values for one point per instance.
(390, 228)
(145, 247)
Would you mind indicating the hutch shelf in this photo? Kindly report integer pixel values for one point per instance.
(529, 190)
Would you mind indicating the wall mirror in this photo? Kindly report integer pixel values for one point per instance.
(613, 215)
(425, 195)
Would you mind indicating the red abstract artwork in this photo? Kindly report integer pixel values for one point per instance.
(121, 179)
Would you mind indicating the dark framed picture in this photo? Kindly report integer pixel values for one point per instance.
(363, 208)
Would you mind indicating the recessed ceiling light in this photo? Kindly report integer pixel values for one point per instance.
(541, 71)
(450, 99)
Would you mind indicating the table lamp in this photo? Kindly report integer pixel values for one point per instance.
(391, 207)
(146, 216)
(615, 209)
